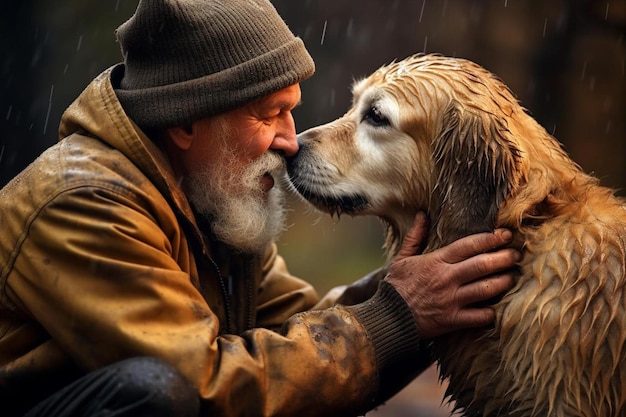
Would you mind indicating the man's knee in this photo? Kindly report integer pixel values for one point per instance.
(157, 386)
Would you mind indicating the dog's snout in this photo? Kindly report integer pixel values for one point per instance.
(304, 138)
(292, 159)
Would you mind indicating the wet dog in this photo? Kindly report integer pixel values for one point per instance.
(445, 136)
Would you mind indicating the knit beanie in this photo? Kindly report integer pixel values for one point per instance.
(189, 59)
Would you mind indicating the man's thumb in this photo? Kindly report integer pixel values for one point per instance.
(415, 240)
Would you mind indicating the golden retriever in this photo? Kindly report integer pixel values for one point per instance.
(445, 136)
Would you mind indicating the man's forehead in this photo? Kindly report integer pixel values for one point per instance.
(286, 97)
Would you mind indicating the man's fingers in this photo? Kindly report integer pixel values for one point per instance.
(484, 289)
(475, 244)
(486, 264)
(475, 317)
(415, 239)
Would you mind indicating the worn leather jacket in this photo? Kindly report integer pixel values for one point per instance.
(102, 259)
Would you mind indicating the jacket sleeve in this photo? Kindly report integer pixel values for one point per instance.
(357, 292)
(97, 272)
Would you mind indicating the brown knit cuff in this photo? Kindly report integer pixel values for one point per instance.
(400, 353)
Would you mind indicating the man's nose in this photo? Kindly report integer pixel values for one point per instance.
(286, 140)
(286, 145)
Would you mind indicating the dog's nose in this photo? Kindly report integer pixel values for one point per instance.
(303, 139)
(292, 159)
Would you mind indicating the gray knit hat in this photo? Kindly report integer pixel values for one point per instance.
(190, 59)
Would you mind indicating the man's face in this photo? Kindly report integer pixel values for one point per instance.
(235, 166)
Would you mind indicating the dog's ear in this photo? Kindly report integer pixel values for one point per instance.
(474, 160)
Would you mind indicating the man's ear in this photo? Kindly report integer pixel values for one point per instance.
(182, 136)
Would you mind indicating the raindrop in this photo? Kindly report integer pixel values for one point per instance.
(582, 75)
(9, 112)
(606, 12)
(506, 2)
(80, 41)
(1, 152)
(350, 27)
(425, 43)
(592, 83)
(545, 25)
(422, 11)
(531, 87)
(117, 5)
(45, 125)
(391, 24)
(66, 68)
(307, 32)
(324, 32)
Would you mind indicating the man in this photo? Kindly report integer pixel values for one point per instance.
(139, 275)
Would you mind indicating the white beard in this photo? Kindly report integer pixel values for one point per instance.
(241, 213)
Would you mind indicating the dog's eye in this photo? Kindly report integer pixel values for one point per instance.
(375, 117)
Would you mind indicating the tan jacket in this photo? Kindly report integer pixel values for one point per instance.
(101, 259)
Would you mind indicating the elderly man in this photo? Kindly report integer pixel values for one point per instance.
(138, 271)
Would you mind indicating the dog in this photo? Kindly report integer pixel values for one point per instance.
(445, 136)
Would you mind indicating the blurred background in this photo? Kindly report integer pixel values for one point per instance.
(564, 60)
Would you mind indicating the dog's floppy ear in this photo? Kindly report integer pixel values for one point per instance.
(474, 162)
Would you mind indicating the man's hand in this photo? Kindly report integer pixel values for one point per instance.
(440, 287)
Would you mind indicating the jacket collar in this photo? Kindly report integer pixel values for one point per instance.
(98, 112)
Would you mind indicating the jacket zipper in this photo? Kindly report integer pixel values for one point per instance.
(250, 295)
(225, 295)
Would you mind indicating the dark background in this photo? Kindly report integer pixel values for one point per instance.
(565, 61)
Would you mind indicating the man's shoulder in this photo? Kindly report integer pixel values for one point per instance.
(77, 163)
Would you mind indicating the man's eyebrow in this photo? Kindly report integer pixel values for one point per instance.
(284, 103)
(276, 102)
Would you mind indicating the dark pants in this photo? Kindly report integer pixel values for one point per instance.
(140, 387)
